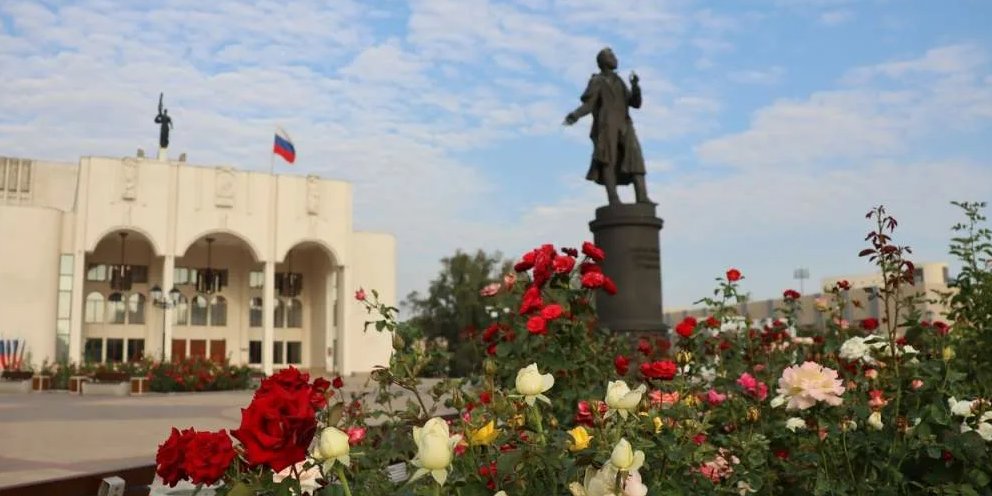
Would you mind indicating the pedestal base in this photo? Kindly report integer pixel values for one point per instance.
(629, 234)
(163, 154)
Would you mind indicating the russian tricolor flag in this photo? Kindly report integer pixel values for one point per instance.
(284, 146)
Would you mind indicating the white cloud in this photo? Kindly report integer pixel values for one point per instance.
(769, 76)
(866, 119)
(835, 17)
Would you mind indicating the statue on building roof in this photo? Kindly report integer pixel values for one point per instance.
(165, 121)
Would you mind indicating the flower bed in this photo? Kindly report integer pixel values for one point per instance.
(726, 406)
(190, 374)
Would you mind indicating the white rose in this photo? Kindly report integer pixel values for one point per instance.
(332, 445)
(856, 348)
(434, 448)
(625, 458)
(849, 425)
(875, 421)
(777, 401)
(961, 408)
(795, 423)
(985, 430)
(531, 384)
(600, 482)
(621, 398)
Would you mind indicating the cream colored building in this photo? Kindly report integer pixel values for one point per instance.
(929, 279)
(65, 229)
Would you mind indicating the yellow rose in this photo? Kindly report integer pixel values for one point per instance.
(531, 384)
(657, 424)
(332, 445)
(620, 398)
(483, 436)
(625, 458)
(434, 450)
(580, 439)
(948, 354)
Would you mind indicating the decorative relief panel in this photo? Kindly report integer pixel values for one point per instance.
(129, 178)
(224, 187)
(313, 195)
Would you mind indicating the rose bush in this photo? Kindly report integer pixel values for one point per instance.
(727, 405)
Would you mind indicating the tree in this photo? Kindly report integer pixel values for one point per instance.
(454, 310)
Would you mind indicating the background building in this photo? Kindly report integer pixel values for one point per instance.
(208, 253)
(930, 279)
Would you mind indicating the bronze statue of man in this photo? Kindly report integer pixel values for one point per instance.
(616, 156)
(166, 123)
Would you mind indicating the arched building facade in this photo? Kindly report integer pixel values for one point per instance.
(115, 258)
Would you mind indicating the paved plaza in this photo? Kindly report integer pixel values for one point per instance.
(56, 434)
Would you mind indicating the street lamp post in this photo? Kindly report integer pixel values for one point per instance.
(160, 300)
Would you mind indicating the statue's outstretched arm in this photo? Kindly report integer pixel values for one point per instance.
(589, 98)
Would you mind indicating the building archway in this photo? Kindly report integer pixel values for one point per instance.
(214, 280)
(308, 308)
(117, 275)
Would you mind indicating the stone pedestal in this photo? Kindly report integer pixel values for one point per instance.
(163, 154)
(629, 234)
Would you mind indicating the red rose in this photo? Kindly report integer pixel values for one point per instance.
(587, 267)
(644, 346)
(537, 325)
(277, 427)
(622, 364)
(543, 264)
(594, 252)
(586, 413)
(360, 294)
(490, 333)
(170, 457)
(526, 262)
(942, 328)
(531, 300)
(355, 435)
(208, 455)
(844, 285)
(712, 322)
(781, 454)
(337, 382)
(485, 397)
(662, 369)
(572, 252)
(791, 294)
(564, 264)
(733, 275)
(491, 349)
(609, 286)
(699, 439)
(593, 280)
(318, 393)
(869, 324)
(551, 312)
(686, 327)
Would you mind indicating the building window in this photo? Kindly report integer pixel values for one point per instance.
(115, 350)
(218, 311)
(277, 352)
(918, 276)
(136, 309)
(180, 276)
(294, 314)
(180, 314)
(198, 311)
(93, 352)
(116, 310)
(294, 352)
(93, 313)
(139, 274)
(256, 279)
(66, 268)
(255, 312)
(279, 317)
(135, 350)
(254, 352)
(96, 273)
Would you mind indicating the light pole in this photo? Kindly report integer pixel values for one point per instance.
(802, 274)
(161, 301)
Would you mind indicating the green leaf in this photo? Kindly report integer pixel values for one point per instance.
(241, 489)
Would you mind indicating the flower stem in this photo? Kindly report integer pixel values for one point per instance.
(344, 480)
(437, 489)
(847, 458)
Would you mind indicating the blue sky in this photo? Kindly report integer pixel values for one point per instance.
(769, 126)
